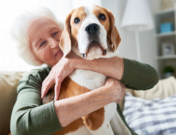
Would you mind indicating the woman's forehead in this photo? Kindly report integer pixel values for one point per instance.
(41, 24)
(40, 27)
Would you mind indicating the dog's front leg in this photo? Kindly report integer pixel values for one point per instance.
(97, 123)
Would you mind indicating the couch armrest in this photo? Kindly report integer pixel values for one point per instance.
(8, 93)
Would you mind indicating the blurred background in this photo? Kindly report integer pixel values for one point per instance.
(146, 27)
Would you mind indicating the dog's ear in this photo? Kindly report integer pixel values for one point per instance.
(65, 40)
(114, 34)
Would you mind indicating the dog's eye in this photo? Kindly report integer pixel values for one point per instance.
(102, 17)
(76, 20)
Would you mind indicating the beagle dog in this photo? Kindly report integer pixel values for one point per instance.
(90, 33)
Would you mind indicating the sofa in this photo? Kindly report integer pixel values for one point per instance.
(9, 81)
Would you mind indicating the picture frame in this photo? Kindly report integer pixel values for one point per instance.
(168, 49)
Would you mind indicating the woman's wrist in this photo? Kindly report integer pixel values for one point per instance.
(74, 59)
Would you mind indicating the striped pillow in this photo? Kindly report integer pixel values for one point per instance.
(151, 117)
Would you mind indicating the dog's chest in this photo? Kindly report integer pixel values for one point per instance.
(89, 79)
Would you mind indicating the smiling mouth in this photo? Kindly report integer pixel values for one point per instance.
(94, 44)
(58, 53)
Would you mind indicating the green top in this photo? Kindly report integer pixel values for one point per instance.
(29, 117)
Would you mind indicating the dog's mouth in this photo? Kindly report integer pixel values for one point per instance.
(96, 46)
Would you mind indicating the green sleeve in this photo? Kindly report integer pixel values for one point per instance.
(139, 76)
(29, 117)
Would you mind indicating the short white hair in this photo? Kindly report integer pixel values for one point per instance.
(19, 32)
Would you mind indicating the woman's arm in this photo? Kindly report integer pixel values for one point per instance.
(29, 117)
(133, 74)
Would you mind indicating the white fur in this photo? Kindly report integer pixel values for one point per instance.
(88, 79)
(93, 80)
(82, 35)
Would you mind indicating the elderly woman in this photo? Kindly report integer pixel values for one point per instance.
(38, 34)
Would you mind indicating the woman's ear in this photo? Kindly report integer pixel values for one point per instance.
(65, 40)
(114, 34)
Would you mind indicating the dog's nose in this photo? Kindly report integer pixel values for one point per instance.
(92, 28)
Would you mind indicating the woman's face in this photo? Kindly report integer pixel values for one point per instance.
(44, 37)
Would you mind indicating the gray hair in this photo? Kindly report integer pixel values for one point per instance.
(19, 32)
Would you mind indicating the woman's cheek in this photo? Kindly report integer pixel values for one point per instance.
(47, 56)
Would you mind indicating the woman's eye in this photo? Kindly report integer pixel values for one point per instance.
(76, 20)
(42, 43)
(55, 33)
(102, 17)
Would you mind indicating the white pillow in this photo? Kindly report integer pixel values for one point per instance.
(151, 117)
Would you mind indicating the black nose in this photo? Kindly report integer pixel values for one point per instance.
(92, 28)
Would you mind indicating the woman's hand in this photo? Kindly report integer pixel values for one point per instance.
(116, 88)
(57, 74)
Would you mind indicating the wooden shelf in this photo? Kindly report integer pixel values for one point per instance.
(163, 16)
(166, 34)
(165, 11)
(166, 57)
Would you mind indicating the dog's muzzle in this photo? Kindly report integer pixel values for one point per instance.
(93, 36)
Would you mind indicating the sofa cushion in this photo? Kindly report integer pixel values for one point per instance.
(8, 93)
(151, 117)
(164, 88)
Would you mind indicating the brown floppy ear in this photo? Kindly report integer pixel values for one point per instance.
(65, 40)
(114, 34)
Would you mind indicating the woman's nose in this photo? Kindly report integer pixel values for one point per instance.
(53, 42)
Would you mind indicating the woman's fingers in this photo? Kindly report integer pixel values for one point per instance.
(46, 86)
(57, 89)
(57, 74)
(121, 96)
(117, 89)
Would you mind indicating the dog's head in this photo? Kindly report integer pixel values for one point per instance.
(90, 32)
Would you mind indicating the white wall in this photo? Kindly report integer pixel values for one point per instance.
(127, 47)
(78, 3)
(64, 7)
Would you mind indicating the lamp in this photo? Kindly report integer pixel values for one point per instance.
(137, 17)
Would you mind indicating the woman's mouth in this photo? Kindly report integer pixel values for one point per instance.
(59, 53)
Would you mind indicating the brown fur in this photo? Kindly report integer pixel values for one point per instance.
(98, 10)
(75, 125)
(81, 14)
(70, 89)
(69, 35)
(113, 36)
(94, 120)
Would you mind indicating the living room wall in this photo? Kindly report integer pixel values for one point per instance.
(127, 47)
